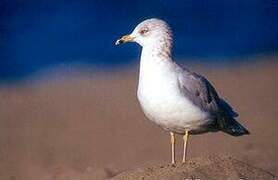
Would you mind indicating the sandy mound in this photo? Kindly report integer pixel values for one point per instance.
(221, 167)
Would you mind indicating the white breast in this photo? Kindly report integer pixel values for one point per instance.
(162, 100)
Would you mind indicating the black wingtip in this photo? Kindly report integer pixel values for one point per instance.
(236, 130)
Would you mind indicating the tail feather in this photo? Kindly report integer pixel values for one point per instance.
(226, 121)
(234, 128)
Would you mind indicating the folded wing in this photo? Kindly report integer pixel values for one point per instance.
(200, 91)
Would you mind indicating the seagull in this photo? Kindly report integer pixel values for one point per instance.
(175, 98)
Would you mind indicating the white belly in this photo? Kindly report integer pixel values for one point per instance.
(164, 104)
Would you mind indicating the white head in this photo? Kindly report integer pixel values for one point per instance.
(151, 33)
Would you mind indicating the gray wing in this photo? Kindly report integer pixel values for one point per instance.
(200, 91)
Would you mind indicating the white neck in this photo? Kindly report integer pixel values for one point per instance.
(153, 62)
(154, 54)
(157, 50)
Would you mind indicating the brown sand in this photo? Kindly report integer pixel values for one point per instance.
(215, 167)
(88, 125)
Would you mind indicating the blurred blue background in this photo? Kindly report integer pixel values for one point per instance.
(38, 34)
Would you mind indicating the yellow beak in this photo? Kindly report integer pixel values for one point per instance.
(124, 39)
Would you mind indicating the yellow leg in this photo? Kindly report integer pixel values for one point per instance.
(185, 139)
(173, 141)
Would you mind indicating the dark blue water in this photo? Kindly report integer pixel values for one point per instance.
(36, 34)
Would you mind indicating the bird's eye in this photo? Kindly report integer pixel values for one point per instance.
(144, 31)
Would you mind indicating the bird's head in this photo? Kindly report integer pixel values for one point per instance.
(149, 33)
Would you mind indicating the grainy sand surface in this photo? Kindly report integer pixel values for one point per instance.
(89, 125)
(215, 167)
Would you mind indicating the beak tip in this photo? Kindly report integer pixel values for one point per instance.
(118, 42)
(124, 39)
